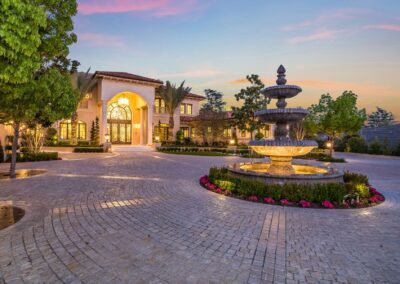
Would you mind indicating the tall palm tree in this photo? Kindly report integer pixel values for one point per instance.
(173, 97)
(84, 83)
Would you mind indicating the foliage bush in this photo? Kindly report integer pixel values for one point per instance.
(35, 157)
(51, 136)
(88, 150)
(294, 192)
(375, 147)
(1, 153)
(357, 144)
(355, 178)
(259, 136)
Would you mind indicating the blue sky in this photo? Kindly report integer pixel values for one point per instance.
(326, 46)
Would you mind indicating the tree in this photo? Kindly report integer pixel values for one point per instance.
(42, 92)
(214, 101)
(84, 83)
(92, 133)
(380, 117)
(297, 130)
(210, 125)
(336, 117)
(96, 134)
(244, 116)
(173, 97)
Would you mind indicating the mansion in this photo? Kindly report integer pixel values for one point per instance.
(129, 112)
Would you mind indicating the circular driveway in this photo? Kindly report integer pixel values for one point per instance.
(143, 218)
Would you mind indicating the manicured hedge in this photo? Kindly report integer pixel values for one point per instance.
(35, 157)
(88, 150)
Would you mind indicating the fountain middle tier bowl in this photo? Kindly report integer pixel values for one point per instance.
(282, 148)
(281, 114)
(285, 91)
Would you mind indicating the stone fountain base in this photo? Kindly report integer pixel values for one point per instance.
(265, 172)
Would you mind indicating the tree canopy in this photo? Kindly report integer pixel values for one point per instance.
(335, 117)
(380, 117)
(214, 101)
(252, 101)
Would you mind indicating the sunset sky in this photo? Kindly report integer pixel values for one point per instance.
(326, 46)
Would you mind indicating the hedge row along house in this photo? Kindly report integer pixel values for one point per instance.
(131, 113)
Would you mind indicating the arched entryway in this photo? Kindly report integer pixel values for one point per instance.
(119, 123)
(127, 119)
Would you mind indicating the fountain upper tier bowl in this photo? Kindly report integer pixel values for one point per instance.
(278, 91)
(281, 114)
(284, 148)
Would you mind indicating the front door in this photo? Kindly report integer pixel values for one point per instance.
(119, 123)
(120, 133)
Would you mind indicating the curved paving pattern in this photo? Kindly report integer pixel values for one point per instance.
(143, 218)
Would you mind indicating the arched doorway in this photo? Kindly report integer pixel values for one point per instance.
(119, 123)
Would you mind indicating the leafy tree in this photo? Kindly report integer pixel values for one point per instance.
(244, 116)
(84, 83)
(336, 117)
(42, 93)
(214, 101)
(173, 97)
(380, 117)
(209, 126)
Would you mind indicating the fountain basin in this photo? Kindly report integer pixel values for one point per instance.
(287, 91)
(302, 173)
(284, 147)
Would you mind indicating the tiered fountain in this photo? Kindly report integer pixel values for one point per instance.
(282, 149)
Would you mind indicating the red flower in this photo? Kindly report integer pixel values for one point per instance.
(204, 180)
(253, 198)
(284, 202)
(218, 190)
(59, 158)
(212, 187)
(327, 204)
(269, 200)
(305, 203)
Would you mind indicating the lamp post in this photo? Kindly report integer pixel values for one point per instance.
(107, 144)
(329, 145)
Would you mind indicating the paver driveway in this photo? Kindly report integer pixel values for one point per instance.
(142, 217)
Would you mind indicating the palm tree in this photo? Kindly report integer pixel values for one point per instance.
(84, 83)
(173, 97)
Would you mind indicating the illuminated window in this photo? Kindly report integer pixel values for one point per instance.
(182, 108)
(66, 130)
(159, 105)
(188, 109)
(209, 129)
(227, 132)
(119, 112)
(243, 134)
(185, 131)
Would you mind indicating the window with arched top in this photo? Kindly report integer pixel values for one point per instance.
(117, 111)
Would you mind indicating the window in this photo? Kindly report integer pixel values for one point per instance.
(227, 132)
(161, 131)
(188, 109)
(185, 131)
(66, 130)
(265, 131)
(209, 129)
(242, 134)
(119, 112)
(159, 105)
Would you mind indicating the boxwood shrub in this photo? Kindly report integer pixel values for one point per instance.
(88, 150)
(35, 157)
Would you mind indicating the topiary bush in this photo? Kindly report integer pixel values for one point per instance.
(88, 150)
(357, 144)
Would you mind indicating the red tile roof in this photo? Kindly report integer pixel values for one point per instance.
(129, 76)
(196, 97)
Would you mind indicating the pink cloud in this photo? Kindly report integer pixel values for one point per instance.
(386, 27)
(99, 39)
(316, 36)
(328, 16)
(154, 7)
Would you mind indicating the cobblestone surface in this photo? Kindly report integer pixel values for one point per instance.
(143, 218)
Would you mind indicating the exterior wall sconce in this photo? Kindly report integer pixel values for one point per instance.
(157, 138)
(107, 136)
(231, 142)
(328, 145)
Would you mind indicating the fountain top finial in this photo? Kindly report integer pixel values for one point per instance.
(281, 75)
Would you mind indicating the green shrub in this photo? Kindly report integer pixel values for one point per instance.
(51, 137)
(294, 192)
(179, 137)
(35, 157)
(375, 147)
(65, 143)
(355, 178)
(331, 159)
(259, 136)
(88, 150)
(357, 144)
(83, 143)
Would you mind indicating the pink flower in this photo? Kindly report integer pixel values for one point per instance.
(269, 200)
(305, 203)
(212, 187)
(284, 202)
(327, 204)
(204, 180)
(376, 198)
(346, 204)
(253, 198)
(218, 190)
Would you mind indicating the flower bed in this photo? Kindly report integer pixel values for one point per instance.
(356, 192)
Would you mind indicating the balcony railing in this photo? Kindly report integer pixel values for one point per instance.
(159, 110)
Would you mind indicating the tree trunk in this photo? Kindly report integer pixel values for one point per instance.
(14, 151)
(74, 126)
(171, 127)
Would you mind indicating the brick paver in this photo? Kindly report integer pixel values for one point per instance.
(143, 218)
